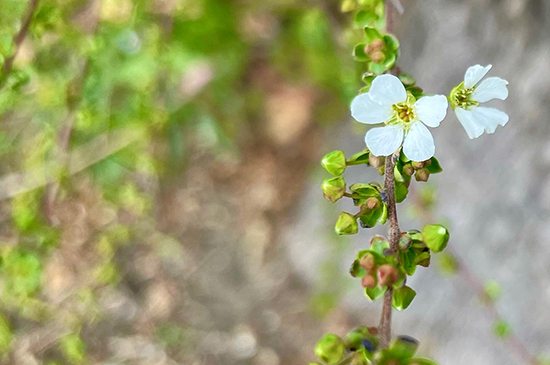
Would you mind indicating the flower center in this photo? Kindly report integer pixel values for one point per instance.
(404, 114)
(461, 97)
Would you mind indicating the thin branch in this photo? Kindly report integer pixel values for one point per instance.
(18, 40)
(393, 237)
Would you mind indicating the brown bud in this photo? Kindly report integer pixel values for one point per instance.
(422, 175)
(378, 44)
(417, 164)
(368, 282)
(373, 330)
(378, 57)
(408, 169)
(376, 161)
(387, 275)
(372, 203)
(368, 262)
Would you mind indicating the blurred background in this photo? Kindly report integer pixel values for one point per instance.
(160, 182)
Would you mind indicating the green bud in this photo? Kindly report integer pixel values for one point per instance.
(422, 174)
(334, 188)
(330, 349)
(387, 275)
(502, 330)
(376, 161)
(334, 162)
(435, 236)
(346, 224)
(404, 346)
(403, 297)
(405, 241)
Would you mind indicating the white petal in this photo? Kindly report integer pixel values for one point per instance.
(387, 90)
(491, 88)
(431, 110)
(489, 118)
(364, 110)
(419, 144)
(465, 117)
(474, 74)
(384, 141)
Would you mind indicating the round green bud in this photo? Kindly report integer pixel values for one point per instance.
(334, 188)
(330, 349)
(435, 236)
(346, 224)
(334, 162)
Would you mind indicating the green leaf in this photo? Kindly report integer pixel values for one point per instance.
(401, 191)
(434, 167)
(359, 53)
(370, 219)
(357, 270)
(403, 297)
(379, 244)
(435, 236)
(359, 158)
(391, 42)
(408, 259)
(502, 330)
(375, 293)
(364, 18)
(371, 34)
(365, 190)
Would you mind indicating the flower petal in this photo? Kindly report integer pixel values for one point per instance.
(419, 144)
(465, 117)
(387, 90)
(384, 141)
(489, 118)
(364, 110)
(491, 88)
(431, 110)
(474, 74)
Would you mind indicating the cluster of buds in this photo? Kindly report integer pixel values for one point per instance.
(361, 347)
(380, 51)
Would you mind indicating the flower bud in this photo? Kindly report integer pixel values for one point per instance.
(330, 349)
(417, 164)
(435, 236)
(378, 44)
(408, 169)
(378, 57)
(387, 275)
(372, 203)
(422, 175)
(334, 162)
(369, 282)
(405, 241)
(368, 262)
(346, 224)
(376, 161)
(334, 188)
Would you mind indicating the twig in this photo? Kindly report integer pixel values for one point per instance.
(18, 40)
(393, 237)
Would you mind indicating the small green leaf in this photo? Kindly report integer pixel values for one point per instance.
(391, 42)
(359, 53)
(401, 192)
(375, 293)
(435, 236)
(357, 270)
(359, 158)
(379, 244)
(403, 297)
(434, 167)
(371, 34)
(502, 330)
(364, 18)
(365, 190)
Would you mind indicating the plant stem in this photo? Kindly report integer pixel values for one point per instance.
(393, 237)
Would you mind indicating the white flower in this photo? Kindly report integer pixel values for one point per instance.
(466, 97)
(405, 118)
